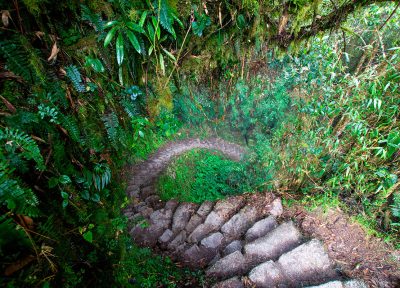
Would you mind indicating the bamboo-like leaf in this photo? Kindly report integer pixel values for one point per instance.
(162, 65)
(156, 27)
(134, 41)
(150, 29)
(120, 78)
(110, 36)
(150, 50)
(110, 24)
(135, 27)
(142, 18)
(120, 49)
(169, 54)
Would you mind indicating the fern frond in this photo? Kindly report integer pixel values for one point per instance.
(69, 123)
(18, 199)
(17, 59)
(29, 149)
(167, 17)
(75, 76)
(111, 123)
(92, 18)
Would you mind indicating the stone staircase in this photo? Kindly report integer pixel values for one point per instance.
(239, 241)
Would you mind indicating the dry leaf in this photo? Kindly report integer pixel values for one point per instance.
(9, 106)
(54, 52)
(39, 34)
(5, 16)
(18, 265)
(25, 221)
(62, 72)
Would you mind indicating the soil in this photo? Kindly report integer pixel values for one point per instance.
(360, 255)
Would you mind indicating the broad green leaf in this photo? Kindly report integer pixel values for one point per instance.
(110, 24)
(142, 18)
(120, 49)
(11, 204)
(95, 64)
(110, 36)
(64, 195)
(134, 41)
(88, 236)
(64, 203)
(64, 179)
(135, 27)
(96, 197)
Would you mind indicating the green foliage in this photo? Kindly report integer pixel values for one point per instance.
(201, 175)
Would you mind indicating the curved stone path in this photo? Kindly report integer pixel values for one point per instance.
(239, 241)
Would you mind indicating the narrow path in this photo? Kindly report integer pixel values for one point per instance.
(239, 241)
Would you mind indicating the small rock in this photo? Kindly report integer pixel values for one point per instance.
(231, 265)
(261, 228)
(182, 215)
(214, 220)
(354, 284)
(178, 240)
(171, 205)
(276, 208)
(239, 223)
(214, 241)
(267, 275)
(197, 257)
(233, 247)
(146, 192)
(332, 284)
(166, 236)
(234, 282)
(200, 232)
(194, 221)
(205, 208)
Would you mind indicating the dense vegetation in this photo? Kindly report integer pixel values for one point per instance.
(88, 87)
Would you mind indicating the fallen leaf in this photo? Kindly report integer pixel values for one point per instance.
(5, 16)
(39, 34)
(18, 265)
(54, 52)
(25, 221)
(62, 72)
(8, 105)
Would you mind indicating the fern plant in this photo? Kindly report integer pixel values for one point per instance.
(75, 76)
(15, 141)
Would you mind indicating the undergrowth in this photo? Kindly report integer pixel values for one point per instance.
(203, 175)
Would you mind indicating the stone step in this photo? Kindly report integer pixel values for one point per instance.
(307, 264)
(234, 282)
(222, 212)
(182, 215)
(280, 240)
(261, 228)
(340, 284)
(234, 264)
(239, 223)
